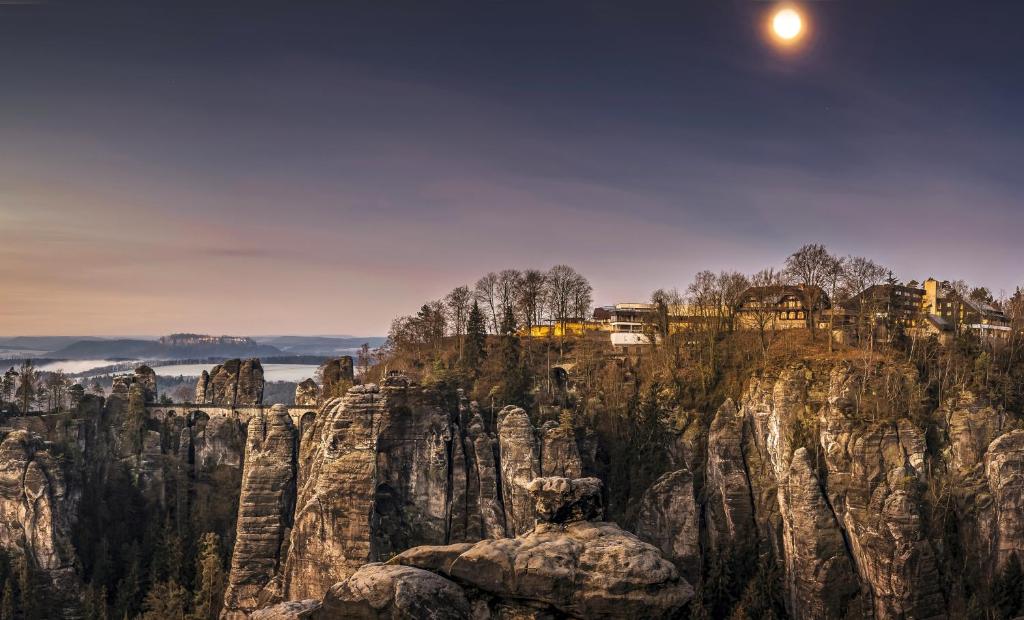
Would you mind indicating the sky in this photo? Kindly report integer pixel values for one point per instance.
(321, 167)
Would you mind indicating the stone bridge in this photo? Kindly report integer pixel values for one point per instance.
(301, 415)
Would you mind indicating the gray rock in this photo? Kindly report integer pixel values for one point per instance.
(265, 508)
(561, 500)
(669, 520)
(395, 592)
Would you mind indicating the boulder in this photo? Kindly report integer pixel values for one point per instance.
(395, 592)
(561, 500)
(581, 569)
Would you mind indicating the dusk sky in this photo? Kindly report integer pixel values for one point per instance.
(320, 167)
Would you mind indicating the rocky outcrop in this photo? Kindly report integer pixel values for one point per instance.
(1004, 467)
(233, 383)
(307, 393)
(265, 510)
(202, 383)
(578, 568)
(331, 535)
(821, 579)
(291, 610)
(670, 520)
(146, 377)
(336, 376)
(559, 454)
(485, 471)
(37, 512)
(875, 485)
(520, 463)
(563, 500)
(729, 509)
(395, 592)
(414, 437)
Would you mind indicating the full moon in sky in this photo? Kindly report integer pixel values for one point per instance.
(787, 24)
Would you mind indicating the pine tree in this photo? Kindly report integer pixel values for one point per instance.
(165, 601)
(209, 579)
(8, 604)
(1008, 589)
(515, 384)
(476, 340)
(128, 587)
(26, 391)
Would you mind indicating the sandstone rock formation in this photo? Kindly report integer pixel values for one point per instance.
(395, 592)
(575, 569)
(669, 519)
(233, 383)
(520, 463)
(821, 579)
(563, 500)
(331, 535)
(336, 376)
(146, 377)
(1004, 466)
(307, 393)
(730, 511)
(37, 512)
(875, 474)
(560, 456)
(265, 511)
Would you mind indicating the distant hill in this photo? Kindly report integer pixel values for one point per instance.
(178, 346)
(41, 343)
(321, 345)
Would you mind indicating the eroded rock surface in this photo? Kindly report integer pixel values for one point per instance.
(265, 511)
(37, 512)
(307, 393)
(520, 463)
(669, 519)
(233, 383)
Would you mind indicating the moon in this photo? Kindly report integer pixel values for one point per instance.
(787, 24)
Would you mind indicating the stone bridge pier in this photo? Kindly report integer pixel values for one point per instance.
(302, 415)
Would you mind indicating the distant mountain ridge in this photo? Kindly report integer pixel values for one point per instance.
(189, 346)
(321, 345)
(175, 346)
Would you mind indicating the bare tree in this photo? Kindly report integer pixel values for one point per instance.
(582, 297)
(531, 297)
(766, 286)
(659, 324)
(507, 290)
(26, 391)
(807, 267)
(485, 293)
(457, 304)
(567, 294)
(731, 285)
(835, 269)
(859, 275)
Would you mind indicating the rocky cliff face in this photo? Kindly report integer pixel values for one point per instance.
(393, 466)
(307, 393)
(36, 513)
(567, 566)
(233, 383)
(265, 512)
(337, 375)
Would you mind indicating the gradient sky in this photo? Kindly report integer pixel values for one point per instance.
(316, 168)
